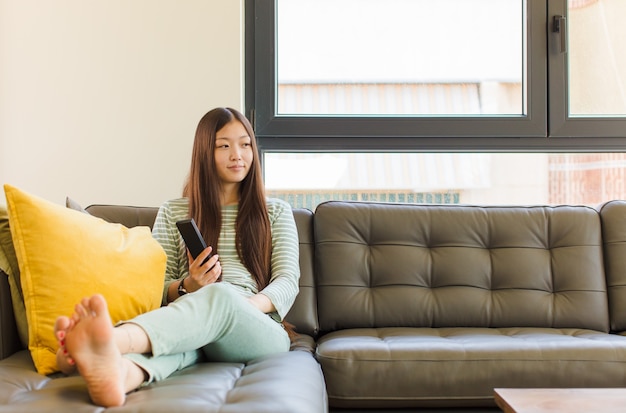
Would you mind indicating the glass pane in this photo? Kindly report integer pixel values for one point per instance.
(597, 62)
(401, 57)
(307, 179)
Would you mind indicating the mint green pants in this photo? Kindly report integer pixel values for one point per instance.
(215, 323)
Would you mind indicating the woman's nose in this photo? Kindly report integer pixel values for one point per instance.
(235, 153)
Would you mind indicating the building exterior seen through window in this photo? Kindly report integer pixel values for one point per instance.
(349, 66)
(597, 62)
(305, 180)
(449, 57)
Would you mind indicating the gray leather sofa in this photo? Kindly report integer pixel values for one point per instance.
(404, 306)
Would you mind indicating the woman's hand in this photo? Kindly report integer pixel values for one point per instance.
(203, 274)
(262, 302)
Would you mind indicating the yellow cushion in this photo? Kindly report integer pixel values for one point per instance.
(65, 255)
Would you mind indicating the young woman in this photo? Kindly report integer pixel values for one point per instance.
(228, 308)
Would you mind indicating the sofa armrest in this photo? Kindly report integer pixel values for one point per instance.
(9, 340)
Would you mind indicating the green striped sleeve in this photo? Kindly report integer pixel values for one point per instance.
(283, 287)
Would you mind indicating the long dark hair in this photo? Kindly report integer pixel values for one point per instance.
(203, 188)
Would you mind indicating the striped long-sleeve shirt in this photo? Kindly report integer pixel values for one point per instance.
(283, 286)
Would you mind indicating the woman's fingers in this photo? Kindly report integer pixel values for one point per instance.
(202, 274)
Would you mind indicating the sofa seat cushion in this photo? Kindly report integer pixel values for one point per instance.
(288, 382)
(447, 367)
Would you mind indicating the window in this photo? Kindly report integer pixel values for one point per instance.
(307, 179)
(361, 65)
(587, 69)
(276, 72)
(467, 101)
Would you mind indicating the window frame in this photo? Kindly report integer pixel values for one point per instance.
(544, 128)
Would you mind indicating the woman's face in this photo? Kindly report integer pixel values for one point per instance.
(233, 152)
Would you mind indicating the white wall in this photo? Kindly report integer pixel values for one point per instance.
(99, 100)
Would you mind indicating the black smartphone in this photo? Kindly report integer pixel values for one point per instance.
(192, 237)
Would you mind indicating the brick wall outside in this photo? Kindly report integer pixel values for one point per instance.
(587, 179)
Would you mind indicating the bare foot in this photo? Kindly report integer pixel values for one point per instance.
(64, 361)
(90, 342)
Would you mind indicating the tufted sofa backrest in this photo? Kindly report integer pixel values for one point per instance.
(303, 313)
(129, 216)
(385, 265)
(613, 215)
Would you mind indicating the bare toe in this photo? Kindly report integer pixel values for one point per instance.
(61, 325)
